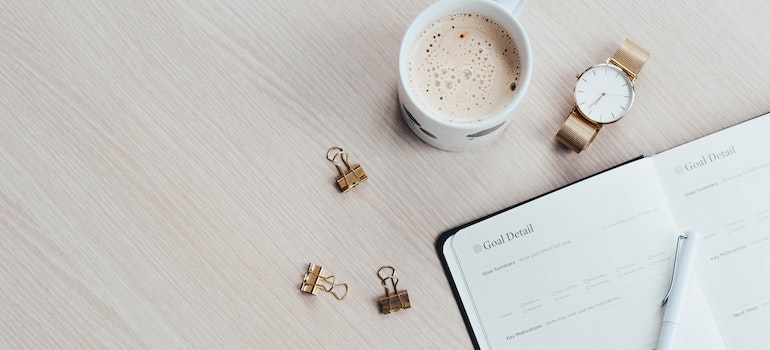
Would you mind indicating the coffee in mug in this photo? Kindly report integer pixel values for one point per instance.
(464, 68)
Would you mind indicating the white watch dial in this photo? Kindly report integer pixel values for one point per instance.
(604, 93)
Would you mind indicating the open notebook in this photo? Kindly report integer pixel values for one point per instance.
(586, 266)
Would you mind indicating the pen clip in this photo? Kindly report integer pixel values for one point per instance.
(676, 258)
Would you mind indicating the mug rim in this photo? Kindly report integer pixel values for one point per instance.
(446, 7)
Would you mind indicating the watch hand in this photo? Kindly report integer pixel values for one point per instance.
(616, 95)
(597, 100)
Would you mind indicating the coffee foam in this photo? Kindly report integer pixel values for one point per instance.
(465, 68)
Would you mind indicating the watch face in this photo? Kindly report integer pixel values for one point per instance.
(604, 93)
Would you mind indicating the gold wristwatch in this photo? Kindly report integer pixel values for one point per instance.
(603, 94)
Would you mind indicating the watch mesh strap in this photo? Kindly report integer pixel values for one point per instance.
(630, 58)
(577, 133)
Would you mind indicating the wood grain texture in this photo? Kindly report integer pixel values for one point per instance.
(162, 173)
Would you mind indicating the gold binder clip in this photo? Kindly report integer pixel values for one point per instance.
(350, 176)
(392, 301)
(312, 282)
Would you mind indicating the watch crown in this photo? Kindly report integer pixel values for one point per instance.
(577, 76)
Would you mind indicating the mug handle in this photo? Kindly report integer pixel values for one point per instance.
(514, 5)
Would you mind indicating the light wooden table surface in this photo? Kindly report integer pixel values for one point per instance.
(163, 181)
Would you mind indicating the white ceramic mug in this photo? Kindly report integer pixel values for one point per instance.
(437, 130)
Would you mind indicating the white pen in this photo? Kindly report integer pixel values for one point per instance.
(684, 262)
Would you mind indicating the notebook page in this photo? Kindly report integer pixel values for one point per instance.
(582, 268)
(720, 185)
